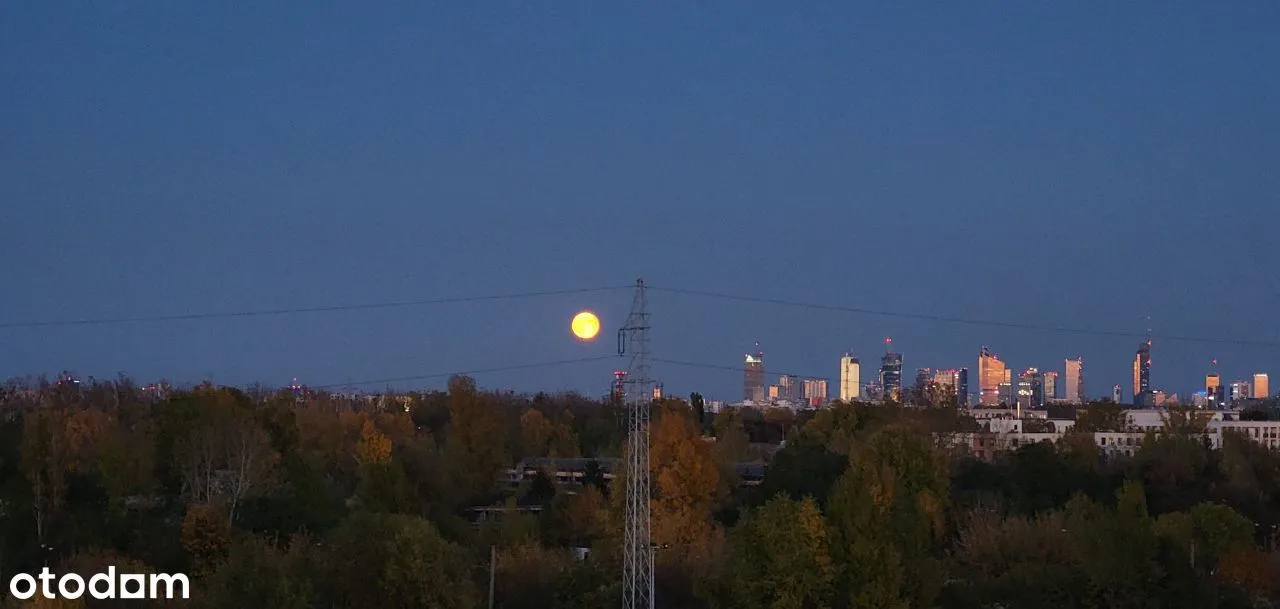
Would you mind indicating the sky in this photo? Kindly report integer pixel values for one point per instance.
(1100, 165)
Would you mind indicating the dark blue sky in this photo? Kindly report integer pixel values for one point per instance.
(1085, 164)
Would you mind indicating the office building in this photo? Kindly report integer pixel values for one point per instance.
(789, 388)
(1030, 389)
(850, 378)
(1117, 394)
(924, 376)
(1239, 392)
(962, 386)
(1006, 394)
(1213, 389)
(891, 375)
(753, 377)
(1050, 384)
(815, 391)
(1261, 387)
(991, 374)
(1075, 381)
(1142, 372)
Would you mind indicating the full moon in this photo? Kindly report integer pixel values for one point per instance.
(585, 325)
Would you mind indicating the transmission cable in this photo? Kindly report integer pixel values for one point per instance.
(436, 375)
(291, 311)
(962, 320)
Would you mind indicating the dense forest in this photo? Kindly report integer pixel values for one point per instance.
(294, 499)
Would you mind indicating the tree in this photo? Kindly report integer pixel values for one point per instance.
(380, 560)
(535, 433)
(1100, 416)
(258, 575)
(46, 457)
(887, 514)
(779, 559)
(206, 536)
(475, 446)
(374, 447)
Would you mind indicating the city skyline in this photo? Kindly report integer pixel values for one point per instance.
(431, 151)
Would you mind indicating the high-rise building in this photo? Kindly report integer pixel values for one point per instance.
(1030, 389)
(924, 376)
(789, 388)
(850, 378)
(1006, 394)
(1142, 372)
(1050, 386)
(815, 391)
(891, 374)
(991, 373)
(1261, 386)
(1239, 391)
(753, 376)
(952, 382)
(1213, 389)
(1075, 380)
(1117, 394)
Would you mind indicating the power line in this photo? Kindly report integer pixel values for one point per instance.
(435, 375)
(966, 321)
(292, 311)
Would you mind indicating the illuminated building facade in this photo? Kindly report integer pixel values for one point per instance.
(1075, 381)
(815, 391)
(753, 377)
(1213, 389)
(850, 378)
(1050, 386)
(1261, 387)
(1030, 389)
(891, 376)
(991, 373)
(1142, 373)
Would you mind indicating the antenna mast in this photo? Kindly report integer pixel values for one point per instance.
(637, 560)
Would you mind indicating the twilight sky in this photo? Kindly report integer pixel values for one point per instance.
(1083, 164)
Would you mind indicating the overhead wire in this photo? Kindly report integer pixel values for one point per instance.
(963, 320)
(297, 310)
(435, 375)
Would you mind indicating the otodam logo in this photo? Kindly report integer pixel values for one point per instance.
(101, 586)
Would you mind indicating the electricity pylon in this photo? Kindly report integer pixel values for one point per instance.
(637, 559)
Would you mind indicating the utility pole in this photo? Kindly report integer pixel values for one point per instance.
(493, 561)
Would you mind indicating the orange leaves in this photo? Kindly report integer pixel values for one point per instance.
(374, 446)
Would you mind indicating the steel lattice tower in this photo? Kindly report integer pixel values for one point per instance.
(637, 559)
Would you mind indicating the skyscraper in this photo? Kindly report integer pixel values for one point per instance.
(1031, 389)
(954, 381)
(1239, 391)
(753, 376)
(1050, 385)
(1117, 394)
(1075, 380)
(924, 376)
(1213, 389)
(789, 388)
(962, 387)
(850, 378)
(1261, 386)
(991, 373)
(891, 376)
(1142, 372)
(815, 391)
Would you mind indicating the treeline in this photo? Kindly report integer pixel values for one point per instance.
(297, 499)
